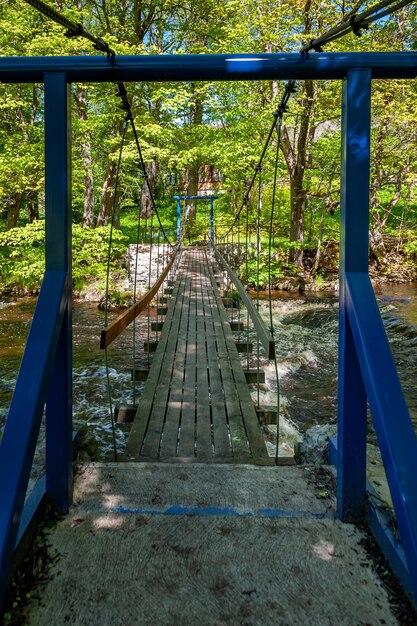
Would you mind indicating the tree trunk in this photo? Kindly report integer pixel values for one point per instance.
(295, 154)
(32, 206)
(196, 118)
(88, 213)
(106, 200)
(192, 190)
(146, 205)
(107, 192)
(298, 207)
(14, 206)
(378, 222)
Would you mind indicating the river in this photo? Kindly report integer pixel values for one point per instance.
(306, 330)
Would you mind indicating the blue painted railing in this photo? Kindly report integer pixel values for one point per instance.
(366, 368)
(44, 380)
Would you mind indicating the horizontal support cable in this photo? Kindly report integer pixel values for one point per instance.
(113, 330)
(264, 335)
(392, 421)
(212, 67)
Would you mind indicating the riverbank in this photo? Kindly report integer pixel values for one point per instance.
(395, 268)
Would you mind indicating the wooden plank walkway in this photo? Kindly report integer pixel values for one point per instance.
(196, 404)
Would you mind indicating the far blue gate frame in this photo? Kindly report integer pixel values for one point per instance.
(212, 198)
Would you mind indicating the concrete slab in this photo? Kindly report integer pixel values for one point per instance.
(226, 563)
(236, 489)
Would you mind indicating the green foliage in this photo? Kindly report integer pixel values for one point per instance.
(410, 247)
(228, 134)
(90, 253)
(22, 258)
(255, 270)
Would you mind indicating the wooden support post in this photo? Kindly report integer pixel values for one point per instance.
(150, 346)
(140, 374)
(254, 376)
(243, 346)
(237, 326)
(266, 415)
(125, 413)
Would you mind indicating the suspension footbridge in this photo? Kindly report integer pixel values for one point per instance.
(196, 402)
(215, 534)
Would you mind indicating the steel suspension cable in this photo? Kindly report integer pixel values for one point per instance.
(290, 88)
(126, 103)
(74, 29)
(135, 283)
(355, 23)
(271, 319)
(106, 299)
(258, 261)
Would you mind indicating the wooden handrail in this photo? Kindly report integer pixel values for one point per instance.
(264, 334)
(113, 330)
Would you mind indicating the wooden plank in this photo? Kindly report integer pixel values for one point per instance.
(140, 424)
(186, 446)
(256, 441)
(236, 325)
(238, 437)
(194, 404)
(150, 346)
(264, 334)
(221, 434)
(204, 447)
(152, 440)
(170, 436)
(113, 330)
(244, 347)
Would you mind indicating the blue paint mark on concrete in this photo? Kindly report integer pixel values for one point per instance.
(295, 514)
(210, 511)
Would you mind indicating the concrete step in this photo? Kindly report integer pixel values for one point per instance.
(163, 544)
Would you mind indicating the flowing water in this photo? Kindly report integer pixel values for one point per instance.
(306, 331)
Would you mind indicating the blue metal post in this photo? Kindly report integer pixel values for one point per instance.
(178, 217)
(58, 259)
(212, 219)
(352, 403)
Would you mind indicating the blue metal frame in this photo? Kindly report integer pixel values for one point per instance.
(58, 222)
(178, 199)
(212, 67)
(211, 198)
(354, 205)
(366, 367)
(46, 371)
